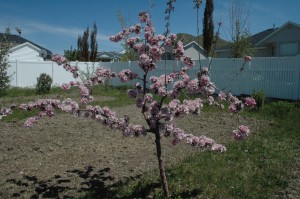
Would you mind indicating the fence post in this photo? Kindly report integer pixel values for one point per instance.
(298, 79)
(52, 74)
(16, 73)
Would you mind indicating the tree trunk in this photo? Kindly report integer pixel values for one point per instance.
(161, 164)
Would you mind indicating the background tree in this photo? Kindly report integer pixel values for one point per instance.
(71, 54)
(87, 46)
(4, 49)
(129, 54)
(208, 26)
(240, 44)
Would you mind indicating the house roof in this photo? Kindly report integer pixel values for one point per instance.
(193, 43)
(111, 54)
(276, 31)
(16, 40)
(261, 35)
(25, 44)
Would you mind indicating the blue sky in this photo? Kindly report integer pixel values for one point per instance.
(56, 24)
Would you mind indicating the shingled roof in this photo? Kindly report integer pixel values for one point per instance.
(261, 35)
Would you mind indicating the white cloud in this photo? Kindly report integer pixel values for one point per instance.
(30, 27)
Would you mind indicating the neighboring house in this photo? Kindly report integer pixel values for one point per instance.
(275, 42)
(194, 51)
(23, 49)
(109, 56)
(191, 49)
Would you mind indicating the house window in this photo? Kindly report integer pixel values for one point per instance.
(288, 49)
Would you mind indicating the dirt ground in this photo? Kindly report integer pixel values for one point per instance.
(65, 156)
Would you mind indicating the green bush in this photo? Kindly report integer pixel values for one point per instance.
(43, 85)
(259, 98)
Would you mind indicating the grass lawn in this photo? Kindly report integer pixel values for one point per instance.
(259, 167)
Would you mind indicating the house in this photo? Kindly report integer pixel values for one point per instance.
(191, 49)
(111, 56)
(274, 42)
(23, 49)
(194, 51)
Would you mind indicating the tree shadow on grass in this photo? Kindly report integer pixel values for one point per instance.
(92, 184)
(58, 185)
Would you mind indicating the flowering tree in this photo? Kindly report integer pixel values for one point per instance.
(158, 114)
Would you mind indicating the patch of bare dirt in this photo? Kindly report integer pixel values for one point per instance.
(65, 156)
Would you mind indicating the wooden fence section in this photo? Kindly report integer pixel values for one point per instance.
(278, 77)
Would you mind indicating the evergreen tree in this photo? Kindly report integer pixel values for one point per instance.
(208, 26)
(87, 46)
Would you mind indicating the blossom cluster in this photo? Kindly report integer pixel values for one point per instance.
(60, 60)
(152, 47)
(127, 75)
(46, 107)
(201, 142)
(5, 111)
(242, 132)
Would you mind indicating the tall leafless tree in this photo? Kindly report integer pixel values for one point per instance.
(239, 29)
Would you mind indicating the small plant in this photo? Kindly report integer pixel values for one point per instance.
(43, 85)
(259, 98)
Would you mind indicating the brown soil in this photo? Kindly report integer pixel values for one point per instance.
(65, 156)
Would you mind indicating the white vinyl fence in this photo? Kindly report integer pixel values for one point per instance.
(278, 77)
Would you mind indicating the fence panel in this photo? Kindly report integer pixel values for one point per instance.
(277, 77)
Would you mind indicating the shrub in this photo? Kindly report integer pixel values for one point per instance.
(259, 98)
(43, 85)
(4, 76)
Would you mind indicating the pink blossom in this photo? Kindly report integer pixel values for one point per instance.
(249, 101)
(189, 62)
(135, 130)
(135, 29)
(148, 98)
(127, 75)
(173, 36)
(154, 108)
(247, 58)
(132, 93)
(178, 50)
(65, 86)
(30, 121)
(84, 91)
(193, 86)
(232, 108)
(218, 148)
(59, 59)
(222, 95)
(242, 132)
(174, 104)
(5, 111)
(69, 105)
(132, 41)
(143, 17)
